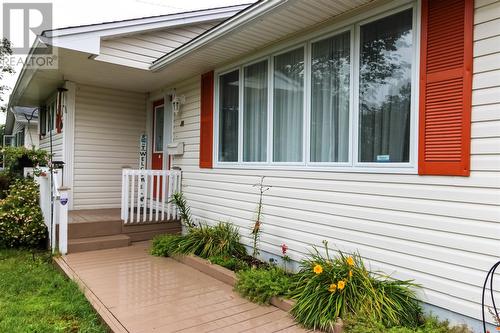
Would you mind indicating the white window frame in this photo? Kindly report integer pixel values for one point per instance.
(351, 24)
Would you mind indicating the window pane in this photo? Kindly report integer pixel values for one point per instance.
(228, 117)
(255, 113)
(159, 129)
(288, 106)
(330, 75)
(385, 89)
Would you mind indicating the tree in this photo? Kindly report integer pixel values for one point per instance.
(5, 68)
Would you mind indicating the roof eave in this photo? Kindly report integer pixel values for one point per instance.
(134, 25)
(221, 30)
(24, 76)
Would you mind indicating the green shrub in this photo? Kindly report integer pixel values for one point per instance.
(204, 241)
(429, 325)
(5, 181)
(229, 262)
(21, 220)
(327, 288)
(17, 158)
(259, 284)
(165, 245)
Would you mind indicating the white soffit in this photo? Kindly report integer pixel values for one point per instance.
(255, 28)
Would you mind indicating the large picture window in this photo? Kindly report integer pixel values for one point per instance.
(343, 99)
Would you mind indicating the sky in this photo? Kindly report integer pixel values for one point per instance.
(78, 12)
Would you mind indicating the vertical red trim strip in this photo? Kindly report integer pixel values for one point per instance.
(206, 119)
(59, 112)
(445, 87)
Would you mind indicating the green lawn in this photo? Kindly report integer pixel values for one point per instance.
(35, 297)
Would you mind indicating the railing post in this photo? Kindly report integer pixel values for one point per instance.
(62, 207)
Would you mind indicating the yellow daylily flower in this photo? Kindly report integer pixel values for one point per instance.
(318, 269)
(350, 261)
(341, 285)
(332, 288)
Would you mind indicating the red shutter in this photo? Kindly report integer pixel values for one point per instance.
(206, 119)
(445, 87)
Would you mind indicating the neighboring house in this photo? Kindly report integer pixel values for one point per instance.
(375, 122)
(21, 127)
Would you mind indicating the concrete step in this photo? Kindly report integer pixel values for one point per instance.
(94, 229)
(97, 243)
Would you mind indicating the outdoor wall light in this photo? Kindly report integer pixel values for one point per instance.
(177, 101)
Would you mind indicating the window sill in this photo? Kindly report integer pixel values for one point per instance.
(381, 169)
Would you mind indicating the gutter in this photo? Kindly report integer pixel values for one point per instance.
(231, 25)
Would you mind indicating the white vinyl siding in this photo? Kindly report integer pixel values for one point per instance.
(31, 136)
(444, 232)
(140, 50)
(57, 145)
(108, 125)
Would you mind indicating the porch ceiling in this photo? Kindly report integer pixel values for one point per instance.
(79, 67)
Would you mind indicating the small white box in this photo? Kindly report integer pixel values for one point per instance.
(175, 148)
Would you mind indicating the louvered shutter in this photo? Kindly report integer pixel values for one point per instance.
(206, 119)
(445, 87)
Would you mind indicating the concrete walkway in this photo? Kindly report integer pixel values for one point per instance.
(136, 292)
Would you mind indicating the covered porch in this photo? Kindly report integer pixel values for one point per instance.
(146, 211)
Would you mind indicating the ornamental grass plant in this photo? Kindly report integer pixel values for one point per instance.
(203, 240)
(328, 288)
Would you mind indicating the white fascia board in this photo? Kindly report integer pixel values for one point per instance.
(87, 39)
(145, 24)
(219, 31)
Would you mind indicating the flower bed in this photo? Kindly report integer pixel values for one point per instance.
(325, 289)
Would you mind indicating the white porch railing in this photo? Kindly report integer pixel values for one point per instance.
(146, 195)
(54, 208)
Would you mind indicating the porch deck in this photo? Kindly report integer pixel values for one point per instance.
(94, 215)
(136, 292)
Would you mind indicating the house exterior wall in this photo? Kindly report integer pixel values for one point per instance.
(108, 125)
(31, 138)
(140, 50)
(442, 231)
(57, 145)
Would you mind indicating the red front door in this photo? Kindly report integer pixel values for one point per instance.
(157, 142)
